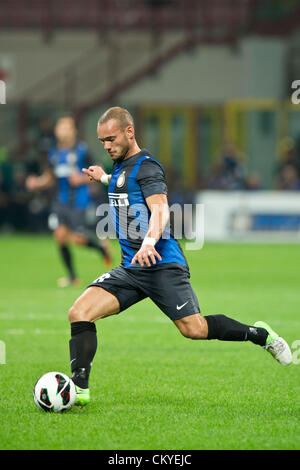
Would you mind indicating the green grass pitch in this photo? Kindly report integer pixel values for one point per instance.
(151, 388)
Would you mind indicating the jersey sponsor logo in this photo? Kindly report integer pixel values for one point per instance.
(181, 306)
(72, 158)
(119, 200)
(121, 180)
(63, 170)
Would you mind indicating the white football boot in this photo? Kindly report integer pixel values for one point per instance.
(276, 345)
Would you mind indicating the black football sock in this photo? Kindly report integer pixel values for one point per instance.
(96, 246)
(83, 346)
(67, 260)
(226, 329)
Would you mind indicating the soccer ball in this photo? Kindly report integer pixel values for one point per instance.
(55, 392)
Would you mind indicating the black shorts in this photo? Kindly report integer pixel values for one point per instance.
(71, 217)
(168, 287)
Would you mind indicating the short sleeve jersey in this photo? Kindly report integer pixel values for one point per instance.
(132, 181)
(64, 162)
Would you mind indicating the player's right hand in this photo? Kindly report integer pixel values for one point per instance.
(94, 172)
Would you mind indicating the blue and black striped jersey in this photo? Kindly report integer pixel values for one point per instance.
(132, 181)
(64, 162)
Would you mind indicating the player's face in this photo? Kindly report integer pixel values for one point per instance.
(116, 141)
(65, 129)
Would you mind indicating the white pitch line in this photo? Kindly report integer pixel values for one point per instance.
(31, 316)
(36, 331)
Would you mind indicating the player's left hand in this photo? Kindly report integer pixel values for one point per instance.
(94, 172)
(145, 254)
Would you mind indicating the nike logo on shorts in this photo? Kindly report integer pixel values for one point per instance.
(180, 307)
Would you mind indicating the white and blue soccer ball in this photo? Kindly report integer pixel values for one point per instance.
(54, 392)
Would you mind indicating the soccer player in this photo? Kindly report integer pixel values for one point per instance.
(152, 266)
(65, 162)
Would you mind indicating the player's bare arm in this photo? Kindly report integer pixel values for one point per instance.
(159, 208)
(96, 173)
(38, 183)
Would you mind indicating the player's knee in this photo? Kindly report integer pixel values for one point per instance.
(77, 239)
(61, 235)
(192, 333)
(192, 329)
(77, 313)
(73, 314)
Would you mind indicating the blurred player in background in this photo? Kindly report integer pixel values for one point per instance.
(68, 217)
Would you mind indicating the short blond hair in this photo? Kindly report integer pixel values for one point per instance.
(119, 114)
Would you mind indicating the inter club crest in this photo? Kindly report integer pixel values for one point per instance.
(121, 180)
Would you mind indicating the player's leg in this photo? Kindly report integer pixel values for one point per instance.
(80, 234)
(108, 295)
(171, 290)
(224, 328)
(192, 326)
(61, 236)
(93, 304)
(219, 327)
(90, 242)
